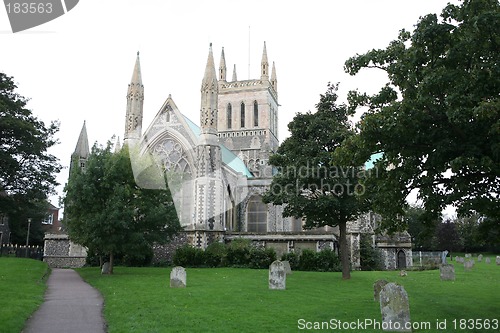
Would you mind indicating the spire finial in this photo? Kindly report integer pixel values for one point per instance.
(264, 64)
(222, 66)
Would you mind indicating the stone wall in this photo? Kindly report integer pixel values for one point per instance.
(164, 253)
(61, 252)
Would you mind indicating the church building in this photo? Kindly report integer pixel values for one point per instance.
(218, 170)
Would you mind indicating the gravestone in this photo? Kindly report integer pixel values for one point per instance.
(480, 258)
(377, 287)
(403, 273)
(105, 268)
(395, 308)
(498, 260)
(277, 275)
(487, 260)
(457, 258)
(178, 277)
(468, 265)
(468, 255)
(447, 272)
(288, 269)
(443, 257)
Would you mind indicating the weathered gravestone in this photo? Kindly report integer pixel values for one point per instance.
(178, 277)
(395, 308)
(480, 258)
(277, 275)
(377, 287)
(468, 255)
(105, 268)
(288, 269)
(487, 260)
(468, 265)
(447, 272)
(457, 258)
(498, 260)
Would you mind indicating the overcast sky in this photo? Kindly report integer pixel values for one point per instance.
(77, 67)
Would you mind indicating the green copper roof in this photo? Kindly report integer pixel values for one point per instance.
(371, 162)
(228, 157)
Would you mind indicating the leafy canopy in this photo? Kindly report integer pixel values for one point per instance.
(309, 182)
(27, 170)
(437, 120)
(106, 211)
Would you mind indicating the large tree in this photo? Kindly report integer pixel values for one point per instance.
(106, 211)
(309, 182)
(437, 120)
(27, 170)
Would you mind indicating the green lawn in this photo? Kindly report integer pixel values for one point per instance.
(22, 286)
(238, 300)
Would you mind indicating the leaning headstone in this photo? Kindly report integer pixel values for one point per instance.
(288, 269)
(447, 272)
(377, 287)
(178, 277)
(105, 268)
(480, 258)
(277, 275)
(395, 308)
(498, 260)
(487, 260)
(468, 265)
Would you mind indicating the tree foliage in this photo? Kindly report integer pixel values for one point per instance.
(106, 211)
(27, 170)
(309, 182)
(437, 120)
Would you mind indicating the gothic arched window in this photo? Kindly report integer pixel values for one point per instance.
(229, 115)
(256, 215)
(242, 115)
(255, 114)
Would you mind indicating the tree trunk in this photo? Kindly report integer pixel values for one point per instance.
(344, 251)
(111, 263)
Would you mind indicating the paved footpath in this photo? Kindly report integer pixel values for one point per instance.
(71, 306)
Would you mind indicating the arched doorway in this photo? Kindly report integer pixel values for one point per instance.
(401, 259)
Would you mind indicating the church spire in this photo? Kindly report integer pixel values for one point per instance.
(264, 65)
(234, 74)
(209, 91)
(274, 81)
(82, 152)
(222, 67)
(135, 102)
(82, 146)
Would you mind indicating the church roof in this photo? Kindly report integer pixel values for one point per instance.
(228, 157)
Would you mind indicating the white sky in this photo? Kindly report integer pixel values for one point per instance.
(77, 67)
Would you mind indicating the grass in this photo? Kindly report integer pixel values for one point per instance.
(238, 300)
(22, 287)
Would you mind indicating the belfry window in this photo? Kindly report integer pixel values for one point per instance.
(256, 215)
(242, 114)
(229, 115)
(255, 114)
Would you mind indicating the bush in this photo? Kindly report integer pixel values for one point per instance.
(261, 258)
(370, 258)
(307, 260)
(188, 256)
(327, 261)
(216, 255)
(292, 258)
(238, 253)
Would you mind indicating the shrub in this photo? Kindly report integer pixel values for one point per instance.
(370, 258)
(261, 258)
(307, 260)
(188, 256)
(215, 255)
(238, 253)
(327, 261)
(292, 258)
